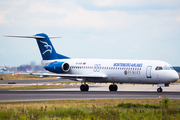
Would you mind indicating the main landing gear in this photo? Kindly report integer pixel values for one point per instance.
(84, 87)
(159, 89)
(113, 87)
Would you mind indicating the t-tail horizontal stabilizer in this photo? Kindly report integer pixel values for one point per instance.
(36, 37)
(45, 46)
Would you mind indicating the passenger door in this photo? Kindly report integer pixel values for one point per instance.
(148, 71)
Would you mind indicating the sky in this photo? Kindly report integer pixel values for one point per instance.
(104, 29)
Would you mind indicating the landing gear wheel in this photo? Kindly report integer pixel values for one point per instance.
(87, 87)
(84, 87)
(113, 87)
(159, 89)
(110, 87)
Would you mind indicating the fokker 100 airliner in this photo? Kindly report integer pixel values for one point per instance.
(103, 70)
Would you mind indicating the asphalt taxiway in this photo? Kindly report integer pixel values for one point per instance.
(96, 91)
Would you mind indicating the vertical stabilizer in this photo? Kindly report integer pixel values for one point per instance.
(46, 48)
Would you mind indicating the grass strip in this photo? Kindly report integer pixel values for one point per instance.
(107, 109)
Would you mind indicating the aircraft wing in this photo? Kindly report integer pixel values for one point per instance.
(68, 75)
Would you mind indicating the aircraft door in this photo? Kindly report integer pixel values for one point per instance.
(148, 71)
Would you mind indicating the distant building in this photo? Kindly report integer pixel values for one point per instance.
(34, 68)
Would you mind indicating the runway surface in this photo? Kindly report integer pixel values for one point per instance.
(95, 92)
(30, 81)
(12, 96)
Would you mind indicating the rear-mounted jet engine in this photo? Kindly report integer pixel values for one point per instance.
(58, 67)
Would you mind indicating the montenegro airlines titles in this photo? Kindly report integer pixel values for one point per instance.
(103, 70)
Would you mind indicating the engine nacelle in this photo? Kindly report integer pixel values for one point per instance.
(58, 67)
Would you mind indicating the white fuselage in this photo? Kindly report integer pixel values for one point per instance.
(103, 70)
(121, 71)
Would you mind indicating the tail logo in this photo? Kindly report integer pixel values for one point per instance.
(47, 46)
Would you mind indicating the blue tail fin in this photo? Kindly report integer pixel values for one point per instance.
(46, 48)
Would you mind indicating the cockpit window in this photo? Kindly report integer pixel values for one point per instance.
(159, 68)
(166, 68)
(171, 68)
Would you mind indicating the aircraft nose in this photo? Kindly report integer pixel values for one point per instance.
(174, 76)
